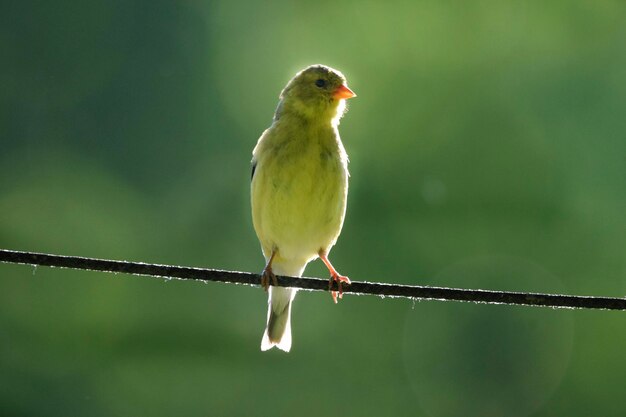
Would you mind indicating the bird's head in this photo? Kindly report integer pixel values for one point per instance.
(317, 93)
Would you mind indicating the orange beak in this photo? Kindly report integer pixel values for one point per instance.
(343, 92)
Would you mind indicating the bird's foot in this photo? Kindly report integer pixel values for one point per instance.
(266, 276)
(340, 280)
(334, 276)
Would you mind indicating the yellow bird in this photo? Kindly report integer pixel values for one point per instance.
(299, 188)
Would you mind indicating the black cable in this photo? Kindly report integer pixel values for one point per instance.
(369, 288)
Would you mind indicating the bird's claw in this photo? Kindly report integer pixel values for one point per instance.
(340, 280)
(266, 276)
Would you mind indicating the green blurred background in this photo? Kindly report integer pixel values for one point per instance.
(487, 148)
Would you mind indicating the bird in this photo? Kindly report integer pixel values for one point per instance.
(299, 189)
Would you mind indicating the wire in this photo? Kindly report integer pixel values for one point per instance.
(316, 284)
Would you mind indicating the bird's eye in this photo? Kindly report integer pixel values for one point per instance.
(320, 83)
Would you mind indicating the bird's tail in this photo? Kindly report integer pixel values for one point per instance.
(278, 329)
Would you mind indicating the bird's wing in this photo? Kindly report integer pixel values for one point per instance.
(253, 169)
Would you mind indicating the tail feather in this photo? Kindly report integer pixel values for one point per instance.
(278, 329)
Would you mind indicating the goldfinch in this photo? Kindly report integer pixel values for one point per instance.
(299, 188)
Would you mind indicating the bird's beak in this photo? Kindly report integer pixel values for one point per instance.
(343, 92)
